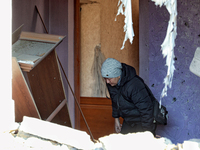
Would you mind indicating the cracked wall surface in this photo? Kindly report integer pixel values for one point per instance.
(183, 99)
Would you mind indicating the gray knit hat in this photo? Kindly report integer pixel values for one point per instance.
(111, 68)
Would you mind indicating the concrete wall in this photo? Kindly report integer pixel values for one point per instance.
(58, 17)
(183, 99)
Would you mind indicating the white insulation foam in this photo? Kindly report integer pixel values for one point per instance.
(168, 44)
(127, 12)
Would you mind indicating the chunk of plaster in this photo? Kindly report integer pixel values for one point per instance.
(195, 64)
(55, 132)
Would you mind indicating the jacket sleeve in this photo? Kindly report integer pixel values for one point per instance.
(140, 97)
(115, 112)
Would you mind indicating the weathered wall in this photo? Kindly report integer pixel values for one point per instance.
(98, 26)
(183, 100)
(90, 37)
(25, 13)
(58, 18)
(112, 33)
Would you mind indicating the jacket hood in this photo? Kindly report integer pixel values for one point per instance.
(128, 72)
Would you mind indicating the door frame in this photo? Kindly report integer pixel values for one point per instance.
(77, 60)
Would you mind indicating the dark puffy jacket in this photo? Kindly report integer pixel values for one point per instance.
(130, 99)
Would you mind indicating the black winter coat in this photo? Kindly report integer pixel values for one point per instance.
(131, 100)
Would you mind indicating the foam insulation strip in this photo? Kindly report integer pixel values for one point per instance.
(128, 27)
(168, 44)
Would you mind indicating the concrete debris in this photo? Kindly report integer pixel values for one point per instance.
(195, 64)
(141, 140)
(10, 142)
(193, 144)
(55, 132)
(37, 134)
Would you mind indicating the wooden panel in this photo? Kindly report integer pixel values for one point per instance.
(41, 37)
(63, 117)
(24, 103)
(98, 114)
(89, 1)
(95, 101)
(47, 89)
(99, 118)
(77, 60)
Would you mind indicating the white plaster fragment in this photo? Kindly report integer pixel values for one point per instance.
(195, 64)
(140, 140)
(61, 134)
(190, 145)
(33, 142)
(128, 27)
(168, 44)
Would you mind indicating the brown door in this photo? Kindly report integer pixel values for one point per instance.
(95, 24)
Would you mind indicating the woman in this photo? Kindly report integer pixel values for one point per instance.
(130, 98)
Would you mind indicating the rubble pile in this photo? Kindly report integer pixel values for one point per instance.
(35, 134)
(13, 142)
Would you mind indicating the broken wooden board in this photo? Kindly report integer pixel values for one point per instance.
(24, 102)
(31, 48)
(47, 89)
(16, 34)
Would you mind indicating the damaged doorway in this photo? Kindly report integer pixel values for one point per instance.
(98, 28)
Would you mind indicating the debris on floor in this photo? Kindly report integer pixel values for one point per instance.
(36, 134)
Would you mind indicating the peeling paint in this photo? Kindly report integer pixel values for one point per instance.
(183, 100)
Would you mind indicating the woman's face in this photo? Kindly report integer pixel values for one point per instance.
(112, 81)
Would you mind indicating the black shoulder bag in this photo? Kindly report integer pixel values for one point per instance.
(160, 111)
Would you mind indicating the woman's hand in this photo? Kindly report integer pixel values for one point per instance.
(117, 125)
